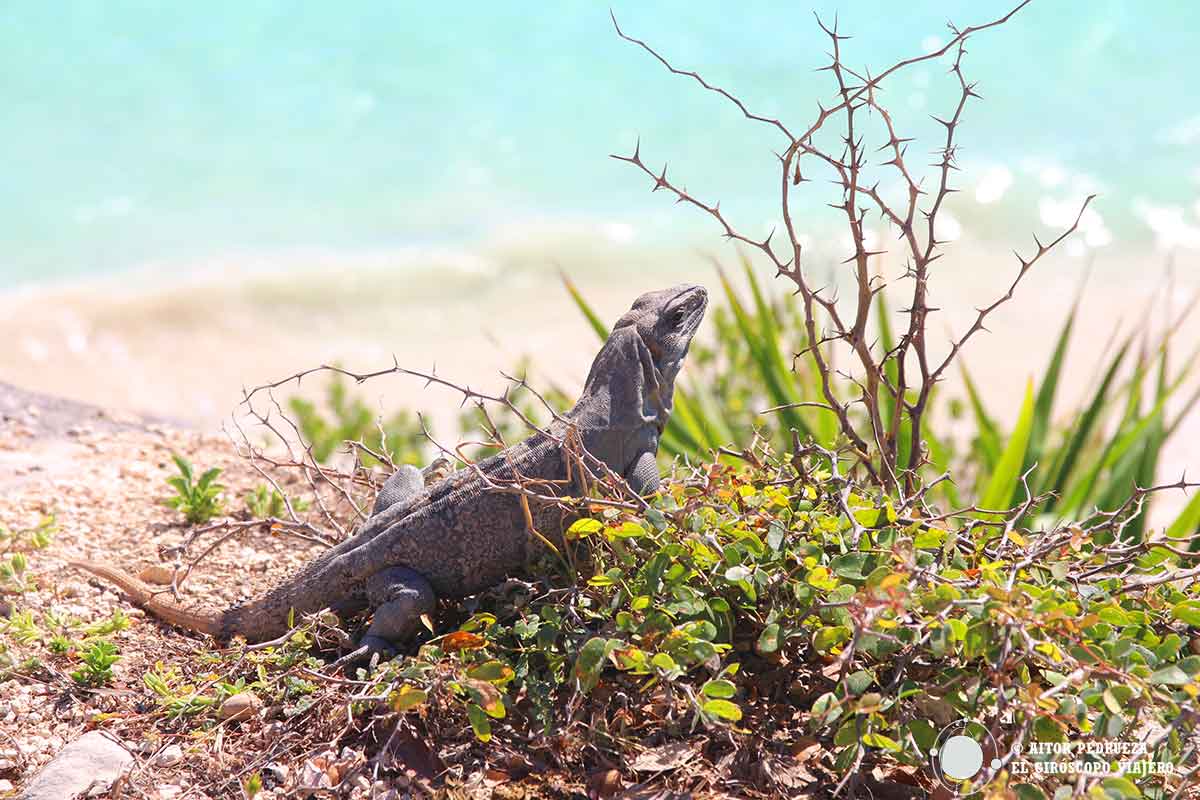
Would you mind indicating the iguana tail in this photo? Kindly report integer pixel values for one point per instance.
(153, 601)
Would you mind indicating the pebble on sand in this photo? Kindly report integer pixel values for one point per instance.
(93, 760)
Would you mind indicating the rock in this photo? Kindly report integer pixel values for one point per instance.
(158, 574)
(277, 770)
(314, 776)
(605, 783)
(238, 707)
(92, 760)
(169, 756)
(5, 787)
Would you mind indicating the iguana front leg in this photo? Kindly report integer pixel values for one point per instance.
(642, 476)
(406, 483)
(399, 597)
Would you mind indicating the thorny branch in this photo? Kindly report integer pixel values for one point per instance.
(893, 387)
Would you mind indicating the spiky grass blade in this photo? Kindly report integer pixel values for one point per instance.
(1068, 454)
(779, 382)
(585, 308)
(1044, 405)
(1187, 524)
(987, 432)
(1007, 475)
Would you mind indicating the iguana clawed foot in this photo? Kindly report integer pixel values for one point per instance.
(370, 653)
(400, 597)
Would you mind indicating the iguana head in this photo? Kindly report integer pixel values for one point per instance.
(666, 321)
(626, 400)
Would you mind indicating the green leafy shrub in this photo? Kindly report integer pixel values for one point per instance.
(784, 603)
(199, 500)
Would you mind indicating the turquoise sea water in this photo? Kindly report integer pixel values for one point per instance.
(170, 134)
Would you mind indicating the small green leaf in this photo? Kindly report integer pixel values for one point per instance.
(768, 640)
(723, 709)
(664, 662)
(583, 527)
(407, 697)
(1188, 611)
(479, 722)
(1120, 788)
(1170, 676)
(878, 740)
(736, 574)
(590, 662)
(830, 637)
(492, 672)
(626, 530)
(720, 689)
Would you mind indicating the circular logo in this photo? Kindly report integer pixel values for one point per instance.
(957, 753)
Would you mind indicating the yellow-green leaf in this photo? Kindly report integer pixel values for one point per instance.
(407, 697)
(723, 709)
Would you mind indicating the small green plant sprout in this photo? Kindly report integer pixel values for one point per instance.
(12, 574)
(60, 644)
(98, 659)
(252, 785)
(21, 627)
(14, 545)
(178, 697)
(115, 623)
(198, 500)
(265, 502)
(36, 538)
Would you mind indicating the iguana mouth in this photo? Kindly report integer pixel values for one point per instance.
(694, 302)
(686, 312)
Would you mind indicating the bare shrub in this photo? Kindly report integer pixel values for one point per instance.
(881, 404)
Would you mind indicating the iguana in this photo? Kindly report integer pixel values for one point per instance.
(460, 535)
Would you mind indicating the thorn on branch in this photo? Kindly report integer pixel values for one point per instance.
(661, 181)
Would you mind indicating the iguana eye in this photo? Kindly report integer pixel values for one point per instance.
(677, 315)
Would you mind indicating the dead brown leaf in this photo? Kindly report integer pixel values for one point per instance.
(663, 758)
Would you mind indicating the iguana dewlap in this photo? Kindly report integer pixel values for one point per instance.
(458, 536)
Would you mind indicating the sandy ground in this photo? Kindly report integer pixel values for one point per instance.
(103, 480)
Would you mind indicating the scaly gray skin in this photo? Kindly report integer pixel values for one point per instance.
(458, 537)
